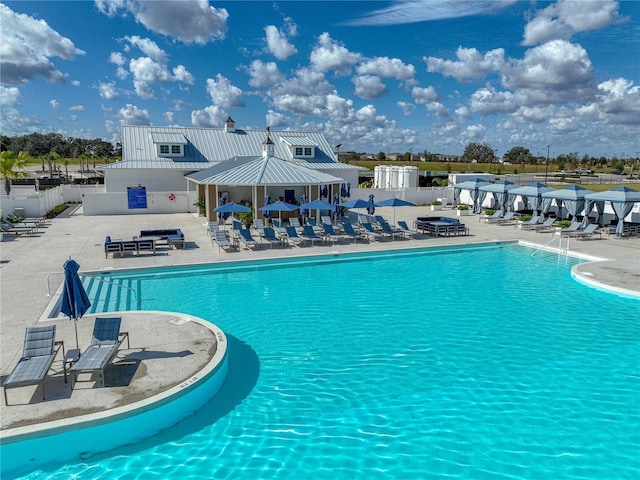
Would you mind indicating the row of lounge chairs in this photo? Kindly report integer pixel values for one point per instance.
(41, 348)
(537, 223)
(18, 224)
(297, 234)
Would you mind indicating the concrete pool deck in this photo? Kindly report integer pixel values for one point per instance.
(31, 267)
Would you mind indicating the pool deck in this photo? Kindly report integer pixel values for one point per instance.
(165, 350)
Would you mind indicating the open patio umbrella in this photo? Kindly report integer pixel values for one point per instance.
(622, 200)
(231, 208)
(75, 301)
(531, 193)
(317, 205)
(279, 207)
(357, 203)
(394, 202)
(473, 185)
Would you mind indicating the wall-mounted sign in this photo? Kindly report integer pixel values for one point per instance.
(137, 197)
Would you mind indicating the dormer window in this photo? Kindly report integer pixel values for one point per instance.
(169, 144)
(300, 147)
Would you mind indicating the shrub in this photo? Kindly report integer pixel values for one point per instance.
(57, 210)
(436, 202)
(524, 218)
(463, 207)
(490, 211)
(563, 224)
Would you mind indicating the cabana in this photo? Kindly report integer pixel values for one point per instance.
(622, 200)
(531, 195)
(473, 185)
(500, 191)
(572, 197)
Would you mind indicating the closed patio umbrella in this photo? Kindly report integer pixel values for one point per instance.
(372, 209)
(303, 211)
(266, 212)
(337, 209)
(75, 301)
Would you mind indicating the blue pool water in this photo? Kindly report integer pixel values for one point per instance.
(472, 363)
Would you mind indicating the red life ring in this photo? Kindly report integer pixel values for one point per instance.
(172, 197)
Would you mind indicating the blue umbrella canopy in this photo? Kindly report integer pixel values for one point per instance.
(279, 206)
(357, 203)
(232, 208)
(75, 301)
(394, 202)
(317, 205)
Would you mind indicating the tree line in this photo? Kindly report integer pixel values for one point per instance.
(38, 145)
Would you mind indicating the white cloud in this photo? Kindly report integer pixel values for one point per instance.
(132, 115)
(223, 93)
(9, 96)
(264, 74)
(189, 22)
(424, 96)
(275, 119)
(304, 94)
(148, 47)
(331, 55)
(413, 11)
(564, 18)
(77, 108)
(558, 70)
(26, 47)
(387, 67)
(406, 107)
(619, 102)
(369, 86)
(471, 64)
(108, 91)
(54, 104)
(117, 58)
(211, 116)
(278, 44)
(463, 114)
(489, 101)
(168, 116)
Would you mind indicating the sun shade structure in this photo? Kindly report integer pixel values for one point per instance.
(75, 301)
(232, 208)
(473, 186)
(357, 203)
(572, 197)
(622, 200)
(394, 202)
(500, 191)
(531, 194)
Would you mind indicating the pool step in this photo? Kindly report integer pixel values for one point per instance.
(108, 295)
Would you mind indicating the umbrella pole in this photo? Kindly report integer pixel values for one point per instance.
(75, 326)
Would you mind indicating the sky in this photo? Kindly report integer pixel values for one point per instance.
(392, 76)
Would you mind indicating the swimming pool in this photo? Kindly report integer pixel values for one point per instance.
(478, 362)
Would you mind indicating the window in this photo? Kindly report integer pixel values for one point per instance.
(307, 151)
(298, 151)
(175, 149)
(164, 149)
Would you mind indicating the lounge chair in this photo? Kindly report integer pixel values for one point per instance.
(527, 225)
(212, 227)
(406, 230)
(351, 232)
(491, 218)
(309, 234)
(292, 236)
(24, 219)
(39, 350)
(574, 227)
(258, 226)
(508, 219)
(246, 238)
(587, 232)
(369, 231)
(16, 229)
(312, 223)
(295, 223)
(386, 228)
(326, 219)
(104, 346)
(270, 236)
(220, 238)
(544, 226)
(330, 233)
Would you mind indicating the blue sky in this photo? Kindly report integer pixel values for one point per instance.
(373, 76)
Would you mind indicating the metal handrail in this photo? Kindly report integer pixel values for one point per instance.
(135, 293)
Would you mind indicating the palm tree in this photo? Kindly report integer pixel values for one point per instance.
(52, 158)
(65, 161)
(12, 166)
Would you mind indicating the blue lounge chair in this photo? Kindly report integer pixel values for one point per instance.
(292, 236)
(386, 228)
(369, 231)
(295, 223)
(104, 347)
(309, 234)
(246, 238)
(330, 233)
(39, 350)
(270, 236)
(351, 232)
(312, 223)
(406, 230)
(212, 227)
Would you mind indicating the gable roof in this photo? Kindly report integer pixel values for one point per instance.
(261, 171)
